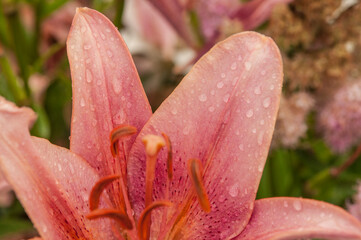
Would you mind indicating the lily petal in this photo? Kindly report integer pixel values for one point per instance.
(223, 113)
(107, 91)
(39, 174)
(295, 218)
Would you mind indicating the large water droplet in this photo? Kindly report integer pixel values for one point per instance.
(89, 76)
(202, 97)
(297, 205)
(234, 66)
(220, 84)
(82, 102)
(267, 102)
(249, 113)
(248, 65)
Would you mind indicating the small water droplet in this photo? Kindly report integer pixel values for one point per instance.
(239, 58)
(102, 36)
(109, 53)
(249, 113)
(59, 167)
(241, 147)
(248, 65)
(260, 168)
(234, 66)
(211, 109)
(99, 157)
(220, 84)
(202, 97)
(235, 81)
(117, 85)
(213, 92)
(89, 76)
(297, 205)
(254, 130)
(94, 122)
(285, 204)
(221, 198)
(274, 75)
(72, 46)
(72, 171)
(257, 90)
(87, 47)
(174, 111)
(267, 102)
(223, 75)
(263, 72)
(272, 87)
(261, 122)
(226, 98)
(233, 190)
(83, 29)
(82, 102)
(129, 105)
(107, 30)
(99, 82)
(186, 130)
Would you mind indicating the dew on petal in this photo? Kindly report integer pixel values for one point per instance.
(233, 190)
(297, 205)
(82, 102)
(211, 109)
(267, 102)
(87, 47)
(220, 84)
(241, 147)
(89, 76)
(234, 66)
(226, 98)
(202, 97)
(257, 90)
(223, 75)
(174, 111)
(249, 113)
(109, 53)
(248, 65)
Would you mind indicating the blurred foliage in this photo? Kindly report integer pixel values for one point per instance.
(300, 171)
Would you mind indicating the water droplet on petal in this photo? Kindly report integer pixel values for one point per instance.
(72, 46)
(89, 76)
(223, 75)
(102, 36)
(257, 90)
(234, 66)
(99, 83)
(174, 111)
(99, 157)
(107, 30)
(226, 98)
(82, 102)
(248, 65)
(272, 87)
(83, 29)
(241, 147)
(267, 102)
(109, 53)
(234, 81)
(220, 84)
(202, 97)
(249, 113)
(117, 85)
(260, 168)
(233, 190)
(297, 205)
(211, 109)
(263, 72)
(186, 130)
(213, 92)
(221, 198)
(254, 130)
(239, 58)
(260, 138)
(285, 204)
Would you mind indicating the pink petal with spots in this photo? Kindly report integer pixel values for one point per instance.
(107, 91)
(223, 112)
(295, 218)
(39, 173)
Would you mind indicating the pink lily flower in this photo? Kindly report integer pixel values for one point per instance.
(192, 169)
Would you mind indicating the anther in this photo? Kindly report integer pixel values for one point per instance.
(115, 214)
(97, 190)
(118, 133)
(170, 156)
(196, 173)
(143, 219)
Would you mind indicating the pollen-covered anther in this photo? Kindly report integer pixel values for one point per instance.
(118, 133)
(115, 214)
(195, 170)
(97, 190)
(170, 156)
(144, 217)
(153, 144)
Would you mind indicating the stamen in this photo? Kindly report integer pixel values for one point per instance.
(152, 144)
(118, 133)
(196, 172)
(170, 156)
(115, 214)
(98, 189)
(144, 217)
